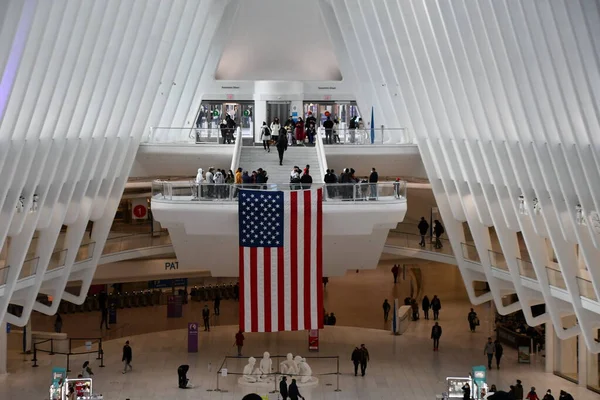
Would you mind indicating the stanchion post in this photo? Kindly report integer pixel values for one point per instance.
(101, 358)
(34, 356)
(51, 347)
(68, 362)
(99, 350)
(337, 375)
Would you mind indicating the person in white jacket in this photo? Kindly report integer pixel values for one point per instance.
(275, 126)
(199, 180)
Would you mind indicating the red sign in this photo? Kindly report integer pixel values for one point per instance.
(139, 211)
(313, 340)
(229, 97)
(327, 97)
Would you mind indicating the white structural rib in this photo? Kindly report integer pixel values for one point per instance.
(504, 99)
(81, 83)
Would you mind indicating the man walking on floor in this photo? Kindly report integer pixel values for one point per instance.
(364, 359)
(206, 318)
(127, 357)
(386, 310)
(239, 342)
(488, 350)
(436, 333)
(395, 271)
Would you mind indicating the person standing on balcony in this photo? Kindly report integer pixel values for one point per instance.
(306, 180)
(436, 306)
(265, 136)
(224, 130)
(328, 125)
(231, 125)
(438, 230)
(423, 229)
(395, 270)
(282, 144)
(275, 127)
(300, 131)
(373, 178)
(58, 323)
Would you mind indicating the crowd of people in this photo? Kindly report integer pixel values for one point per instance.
(516, 392)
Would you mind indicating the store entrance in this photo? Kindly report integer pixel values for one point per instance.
(278, 109)
(342, 111)
(213, 112)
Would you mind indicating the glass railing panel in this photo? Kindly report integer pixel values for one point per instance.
(526, 269)
(29, 267)
(586, 289)
(85, 252)
(415, 241)
(497, 260)
(555, 278)
(57, 259)
(171, 135)
(133, 242)
(4, 274)
(470, 252)
(382, 136)
(190, 191)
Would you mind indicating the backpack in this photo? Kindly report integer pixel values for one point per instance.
(266, 131)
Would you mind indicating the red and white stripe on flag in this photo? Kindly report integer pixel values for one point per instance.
(281, 287)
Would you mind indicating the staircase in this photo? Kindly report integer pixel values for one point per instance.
(253, 158)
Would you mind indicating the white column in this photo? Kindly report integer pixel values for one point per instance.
(582, 368)
(28, 338)
(3, 347)
(549, 348)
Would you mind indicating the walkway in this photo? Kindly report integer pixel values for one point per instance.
(402, 367)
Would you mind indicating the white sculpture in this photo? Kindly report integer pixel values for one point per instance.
(304, 370)
(289, 366)
(251, 374)
(266, 365)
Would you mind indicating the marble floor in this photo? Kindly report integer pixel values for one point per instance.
(401, 367)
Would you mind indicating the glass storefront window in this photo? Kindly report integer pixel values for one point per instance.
(566, 354)
(593, 365)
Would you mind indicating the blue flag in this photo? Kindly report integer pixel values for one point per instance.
(372, 127)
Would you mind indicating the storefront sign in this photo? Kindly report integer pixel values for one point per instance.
(313, 340)
(167, 283)
(58, 374)
(327, 87)
(192, 337)
(139, 209)
(170, 265)
(524, 355)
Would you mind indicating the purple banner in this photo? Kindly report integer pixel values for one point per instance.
(192, 337)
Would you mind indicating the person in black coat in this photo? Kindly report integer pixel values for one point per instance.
(102, 302)
(282, 144)
(217, 304)
(436, 306)
(293, 391)
(438, 230)
(373, 179)
(356, 359)
(425, 305)
(306, 180)
(499, 350)
(283, 388)
(127, 357)
(423, 228)
(328, 125)
(436, 333)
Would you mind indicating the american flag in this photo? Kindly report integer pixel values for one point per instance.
(281, 260)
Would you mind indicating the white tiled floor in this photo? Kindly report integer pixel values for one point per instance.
(402, 367)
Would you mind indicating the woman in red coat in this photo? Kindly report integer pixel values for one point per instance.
(300, 130)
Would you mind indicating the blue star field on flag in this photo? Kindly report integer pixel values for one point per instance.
(261, 218)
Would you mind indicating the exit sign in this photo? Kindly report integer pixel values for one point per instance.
(229, 97)
(327, 97)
